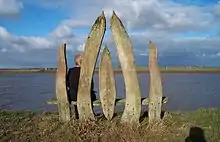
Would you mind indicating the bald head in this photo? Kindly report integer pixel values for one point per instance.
(78, 59)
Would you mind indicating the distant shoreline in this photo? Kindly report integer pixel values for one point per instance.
(118, 70)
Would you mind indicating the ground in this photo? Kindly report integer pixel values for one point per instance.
(174, 127)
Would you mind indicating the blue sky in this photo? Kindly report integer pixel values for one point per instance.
(186, 32)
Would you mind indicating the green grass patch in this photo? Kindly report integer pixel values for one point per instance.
(174, 127)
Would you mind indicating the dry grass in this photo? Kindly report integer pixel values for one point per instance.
(27, 126)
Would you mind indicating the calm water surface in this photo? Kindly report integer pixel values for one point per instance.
(185, 91)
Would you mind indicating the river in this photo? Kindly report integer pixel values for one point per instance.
(185, 91)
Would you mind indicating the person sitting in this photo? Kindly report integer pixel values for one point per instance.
(73, 81)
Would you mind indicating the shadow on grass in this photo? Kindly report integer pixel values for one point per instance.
(101, 116)
(196, 134)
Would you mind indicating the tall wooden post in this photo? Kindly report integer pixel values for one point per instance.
(132, 110)
(155, 93)
(92, 49)
(107, 88)
(61, 92)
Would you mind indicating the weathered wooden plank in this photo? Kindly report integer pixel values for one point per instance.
(92, 49)
(119, 101)
(155, 93)
(107, 84)
(125, 53)
(61, 93)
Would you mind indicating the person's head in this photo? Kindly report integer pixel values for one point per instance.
(78, 59)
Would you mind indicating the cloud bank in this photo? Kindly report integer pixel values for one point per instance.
(185, 34)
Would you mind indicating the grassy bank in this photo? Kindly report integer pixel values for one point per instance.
(175, 127)
(118, 70)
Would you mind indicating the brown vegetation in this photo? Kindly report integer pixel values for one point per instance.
(175, 127)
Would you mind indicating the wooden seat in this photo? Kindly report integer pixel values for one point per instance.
(119, 101)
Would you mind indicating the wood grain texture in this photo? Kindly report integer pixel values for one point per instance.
(92, 49)
(125, 53)
(155, 93)
(61, 92)
(107, 90)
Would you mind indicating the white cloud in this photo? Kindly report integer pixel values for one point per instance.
(149, 15)
(10, 7)
(3, 50)
(217, 9)
(81, 48)
(76, 23)
(164, 15)
(4, 34)
(65, 28)
(161, 21)
(22, 43)
(62, 31)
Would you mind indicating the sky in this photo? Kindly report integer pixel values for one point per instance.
(186, 32)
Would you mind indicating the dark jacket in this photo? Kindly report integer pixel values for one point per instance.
(72, 83)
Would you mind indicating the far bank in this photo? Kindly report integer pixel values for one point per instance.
(118, 70)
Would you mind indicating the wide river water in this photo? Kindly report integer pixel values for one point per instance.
(185, 91)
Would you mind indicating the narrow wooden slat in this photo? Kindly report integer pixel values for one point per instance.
(155, 93)
(92, 49)
(125, 53)
(61, 94)
(119, 101)
(107, 84)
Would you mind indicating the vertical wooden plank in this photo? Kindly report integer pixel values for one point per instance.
(107, 89)
(126, 57)
(155, 93)
(61, 92)
(92, 49)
